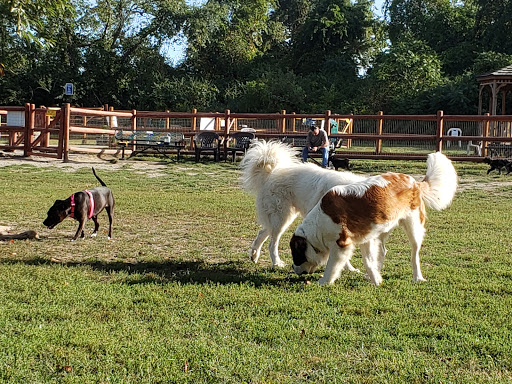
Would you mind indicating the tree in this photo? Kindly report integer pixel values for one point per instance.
(225, 37)
(105, 50)
(398, 76)
(26, 18)
(446, 26)
(493, 25)
(336, 28)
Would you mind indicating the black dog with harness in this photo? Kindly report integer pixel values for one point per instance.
(82, 206)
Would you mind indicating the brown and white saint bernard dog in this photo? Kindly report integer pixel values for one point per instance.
(365, 213)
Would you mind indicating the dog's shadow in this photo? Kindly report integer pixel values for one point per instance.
(183, 272)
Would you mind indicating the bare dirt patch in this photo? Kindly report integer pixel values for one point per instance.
(78, 161)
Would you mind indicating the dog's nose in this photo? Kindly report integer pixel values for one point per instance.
(298, 270)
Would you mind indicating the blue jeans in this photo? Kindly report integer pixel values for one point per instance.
(325, 155)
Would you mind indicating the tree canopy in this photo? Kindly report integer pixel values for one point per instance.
(253, 55)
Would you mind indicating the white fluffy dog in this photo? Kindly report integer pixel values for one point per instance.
(365, 213)
(284, 187)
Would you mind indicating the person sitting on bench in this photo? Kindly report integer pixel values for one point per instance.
(317, 141)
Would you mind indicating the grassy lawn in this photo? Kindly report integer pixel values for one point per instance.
(174, 298)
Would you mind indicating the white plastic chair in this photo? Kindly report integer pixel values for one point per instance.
(454, 132)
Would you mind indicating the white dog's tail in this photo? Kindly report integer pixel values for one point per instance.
(440, 183)
(260, 161)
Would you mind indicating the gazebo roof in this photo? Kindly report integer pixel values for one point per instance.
(498, 82)
(500, 74)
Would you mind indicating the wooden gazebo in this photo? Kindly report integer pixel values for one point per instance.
(495, 84)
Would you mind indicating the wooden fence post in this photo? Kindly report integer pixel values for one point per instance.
(283, 121)
(45, 142)
(380, 124)
(350, 129)
(439, 133)
(28, 129)
(65, 131)
(134, 127)
(327, 123)
(194, 119)
(227, 122)
(60, 123)
(485, 133)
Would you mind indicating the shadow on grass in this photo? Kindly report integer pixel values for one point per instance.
(184, 272)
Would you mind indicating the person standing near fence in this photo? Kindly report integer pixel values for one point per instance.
(316, 141)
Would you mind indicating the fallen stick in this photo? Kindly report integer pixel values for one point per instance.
(19, 236)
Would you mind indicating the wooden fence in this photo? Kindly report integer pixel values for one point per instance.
(57, 132)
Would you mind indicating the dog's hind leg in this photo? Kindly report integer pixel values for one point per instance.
(96, 226)
(110, 214)
(255, 250)
(415, 232)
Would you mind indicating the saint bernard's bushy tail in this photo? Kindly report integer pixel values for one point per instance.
(440, 183)
(261, 159)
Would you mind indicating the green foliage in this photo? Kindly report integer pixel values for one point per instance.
(271, 92)
(332, 29)
(224, 37)
(490, 61)
(445, 26)
(408, 69)
(28, 18)
(452, 97)
(493, 23)
(184, 94)
(253, 56)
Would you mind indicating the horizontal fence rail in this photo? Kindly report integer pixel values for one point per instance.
(57, 132)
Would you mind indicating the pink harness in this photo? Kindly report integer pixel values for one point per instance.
(91, 200)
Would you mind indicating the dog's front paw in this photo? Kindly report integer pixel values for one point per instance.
(351, 268)
(419, 279)
(254, 255)
(324, 281)
(94, 234)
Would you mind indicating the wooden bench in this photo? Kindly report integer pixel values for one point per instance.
(162, 142)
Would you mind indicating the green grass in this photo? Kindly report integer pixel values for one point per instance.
(174, 299)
